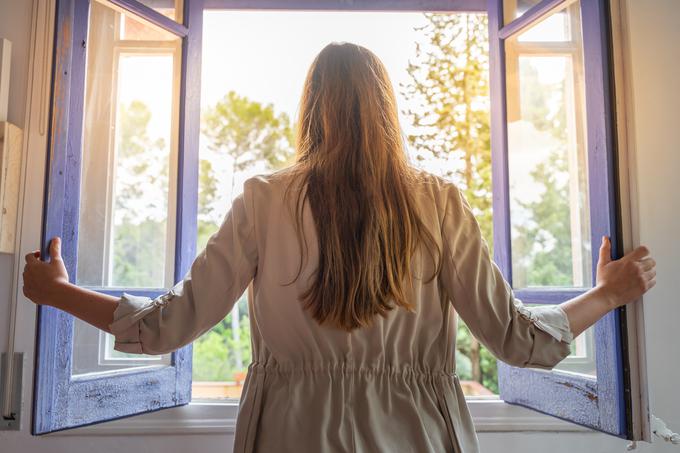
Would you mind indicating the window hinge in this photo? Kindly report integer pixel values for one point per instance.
(11, 420)
(661, 430)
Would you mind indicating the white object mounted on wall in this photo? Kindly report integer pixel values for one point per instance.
(5, 63)
(10, 165)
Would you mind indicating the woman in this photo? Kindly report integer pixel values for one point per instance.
(358, 263)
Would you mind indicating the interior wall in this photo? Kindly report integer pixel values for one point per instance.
(15, 25)
(653, 34)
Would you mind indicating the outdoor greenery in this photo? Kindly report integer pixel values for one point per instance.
(542, 249)
(141, 198)
(249, 135)
(449, 84)
(449, 134)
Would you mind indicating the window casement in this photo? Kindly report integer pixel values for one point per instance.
(84, 382)
(553, 141)
(97, 48)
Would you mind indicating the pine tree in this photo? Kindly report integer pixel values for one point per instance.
(449, 84)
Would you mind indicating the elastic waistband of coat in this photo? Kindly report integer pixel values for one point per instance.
(349, 368)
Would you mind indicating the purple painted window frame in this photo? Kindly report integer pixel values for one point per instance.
(602, 403)
(62, 401)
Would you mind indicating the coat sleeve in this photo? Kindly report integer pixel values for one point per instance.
(216, 280)
(537, 337)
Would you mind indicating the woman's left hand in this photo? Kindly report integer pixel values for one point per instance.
(42, 278)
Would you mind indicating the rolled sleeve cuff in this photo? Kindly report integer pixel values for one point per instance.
(126, 322)
(551, 319)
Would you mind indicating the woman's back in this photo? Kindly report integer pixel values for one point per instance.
(387, 387)
(353, 282)
(355, 262)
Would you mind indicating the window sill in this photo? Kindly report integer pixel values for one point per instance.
(203, 417)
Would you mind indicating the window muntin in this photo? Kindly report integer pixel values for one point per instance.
(168, 8)
(514, 9)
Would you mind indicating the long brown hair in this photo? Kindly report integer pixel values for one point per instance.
(352, 164)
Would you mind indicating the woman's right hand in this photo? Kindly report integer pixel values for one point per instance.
(624, 280)
(42, 278)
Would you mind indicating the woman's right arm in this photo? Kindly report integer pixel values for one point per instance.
(619, 282)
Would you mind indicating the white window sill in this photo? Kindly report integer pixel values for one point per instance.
(203, 417)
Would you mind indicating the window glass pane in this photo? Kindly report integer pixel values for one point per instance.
(168, 8)
(512, 9)
(547, 162)
(93, 353)
(127, 198)
(553, 28)
(431, 115)
(126, 228)
(582, 357)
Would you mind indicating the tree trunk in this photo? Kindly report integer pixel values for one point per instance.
(235, 321)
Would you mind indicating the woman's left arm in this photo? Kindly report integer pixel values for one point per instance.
(217, 278)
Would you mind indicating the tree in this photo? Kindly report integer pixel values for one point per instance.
(543, 244)
(249, 134)
(141, 201)
(542, 241)
(449, 84)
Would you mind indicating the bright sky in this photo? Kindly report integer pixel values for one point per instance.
(265, 55)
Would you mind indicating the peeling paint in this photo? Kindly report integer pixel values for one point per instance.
(590, 395)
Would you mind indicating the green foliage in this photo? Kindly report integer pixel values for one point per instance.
(542, 243)
(449, 81)
(139, 230)
(542, 248)
(215, 351)
(136, 258)
(249, 134)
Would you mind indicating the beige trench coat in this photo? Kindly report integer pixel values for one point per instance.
(388, 388)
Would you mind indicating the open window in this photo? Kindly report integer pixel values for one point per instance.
(123, 182)
(555, 196)
(121, 192)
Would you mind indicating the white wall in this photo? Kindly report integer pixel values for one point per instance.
(654, 31)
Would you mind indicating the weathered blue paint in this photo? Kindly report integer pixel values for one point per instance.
(530, 17)
(499, 144)
(567, 396)
(599, 402)
(603, 207)
(352, 5)
(188, 163)
(62, 401)
(55, 328)
(546, 296)
(153, 16)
